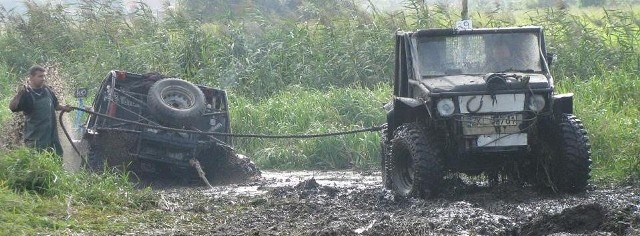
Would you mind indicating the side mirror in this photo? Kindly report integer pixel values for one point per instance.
(550, 57)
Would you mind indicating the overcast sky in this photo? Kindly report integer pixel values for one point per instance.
(158, 4)
(19, 5)
(380, 4)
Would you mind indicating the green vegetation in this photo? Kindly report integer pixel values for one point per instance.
(38, 196)
(598, 58)
(315, 67)
(6, 82)
(322, 111)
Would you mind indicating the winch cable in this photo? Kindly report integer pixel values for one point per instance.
(267, 136)
(66, 133)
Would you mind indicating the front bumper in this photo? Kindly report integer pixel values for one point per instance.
(495, 132)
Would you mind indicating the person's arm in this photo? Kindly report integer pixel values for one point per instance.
(66, 108)
(57, 105)
(15, 105)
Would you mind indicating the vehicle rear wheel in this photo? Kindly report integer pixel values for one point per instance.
(566, 156)
(175, 101)
(415, 166)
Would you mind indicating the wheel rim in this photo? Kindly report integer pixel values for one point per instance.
(177, 98)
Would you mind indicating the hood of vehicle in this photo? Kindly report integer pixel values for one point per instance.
(480, 83)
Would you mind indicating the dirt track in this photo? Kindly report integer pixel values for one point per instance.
(349, 203)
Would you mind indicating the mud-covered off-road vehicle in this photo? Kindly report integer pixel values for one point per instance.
(480, 101)
(144, 106)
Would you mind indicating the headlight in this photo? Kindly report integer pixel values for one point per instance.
(536, 103)
(446, 107)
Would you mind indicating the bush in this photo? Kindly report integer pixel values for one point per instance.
(28, 170)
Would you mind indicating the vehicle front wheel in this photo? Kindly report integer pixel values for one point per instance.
(415, 166)
(567, 154)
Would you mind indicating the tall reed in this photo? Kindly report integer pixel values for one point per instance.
(277, 64)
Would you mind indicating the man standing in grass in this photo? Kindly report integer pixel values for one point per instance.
(38, 103)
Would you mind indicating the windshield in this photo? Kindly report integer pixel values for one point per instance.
(479, 54)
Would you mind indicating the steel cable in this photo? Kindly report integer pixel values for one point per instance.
(298, 136)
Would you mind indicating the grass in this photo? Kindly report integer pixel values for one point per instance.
(7, 79)
(298, 110)
(39, 197)
(5, 113)
(608, 107)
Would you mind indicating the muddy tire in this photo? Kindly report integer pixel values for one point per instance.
(385, 156)
(566, 154)
(415, 166)
(175, 102)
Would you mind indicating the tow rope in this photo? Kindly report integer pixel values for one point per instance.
(267, 136)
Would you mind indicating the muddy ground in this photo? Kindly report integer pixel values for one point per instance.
(352, 203)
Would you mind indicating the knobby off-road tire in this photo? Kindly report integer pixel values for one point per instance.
(415, 165)
(385, 156)
(175, 102)
(567, 154)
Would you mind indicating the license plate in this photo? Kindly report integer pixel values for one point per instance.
(502, 140)
(492, 120)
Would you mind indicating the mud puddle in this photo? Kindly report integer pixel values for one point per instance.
(272, 181)
(354, 203)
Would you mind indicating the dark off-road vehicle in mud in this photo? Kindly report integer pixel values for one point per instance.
(157, 128)
(480, 101)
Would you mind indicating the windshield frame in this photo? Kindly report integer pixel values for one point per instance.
(538, 60)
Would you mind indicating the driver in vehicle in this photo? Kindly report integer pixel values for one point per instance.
(503, 56)
(500, 57)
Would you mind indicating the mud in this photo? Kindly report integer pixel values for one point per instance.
(351, 203)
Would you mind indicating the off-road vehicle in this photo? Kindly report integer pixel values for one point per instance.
(144, 105)
(480, 101)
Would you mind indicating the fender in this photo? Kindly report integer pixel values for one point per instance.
(405, 110)
(563, 103)
(407, 102)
